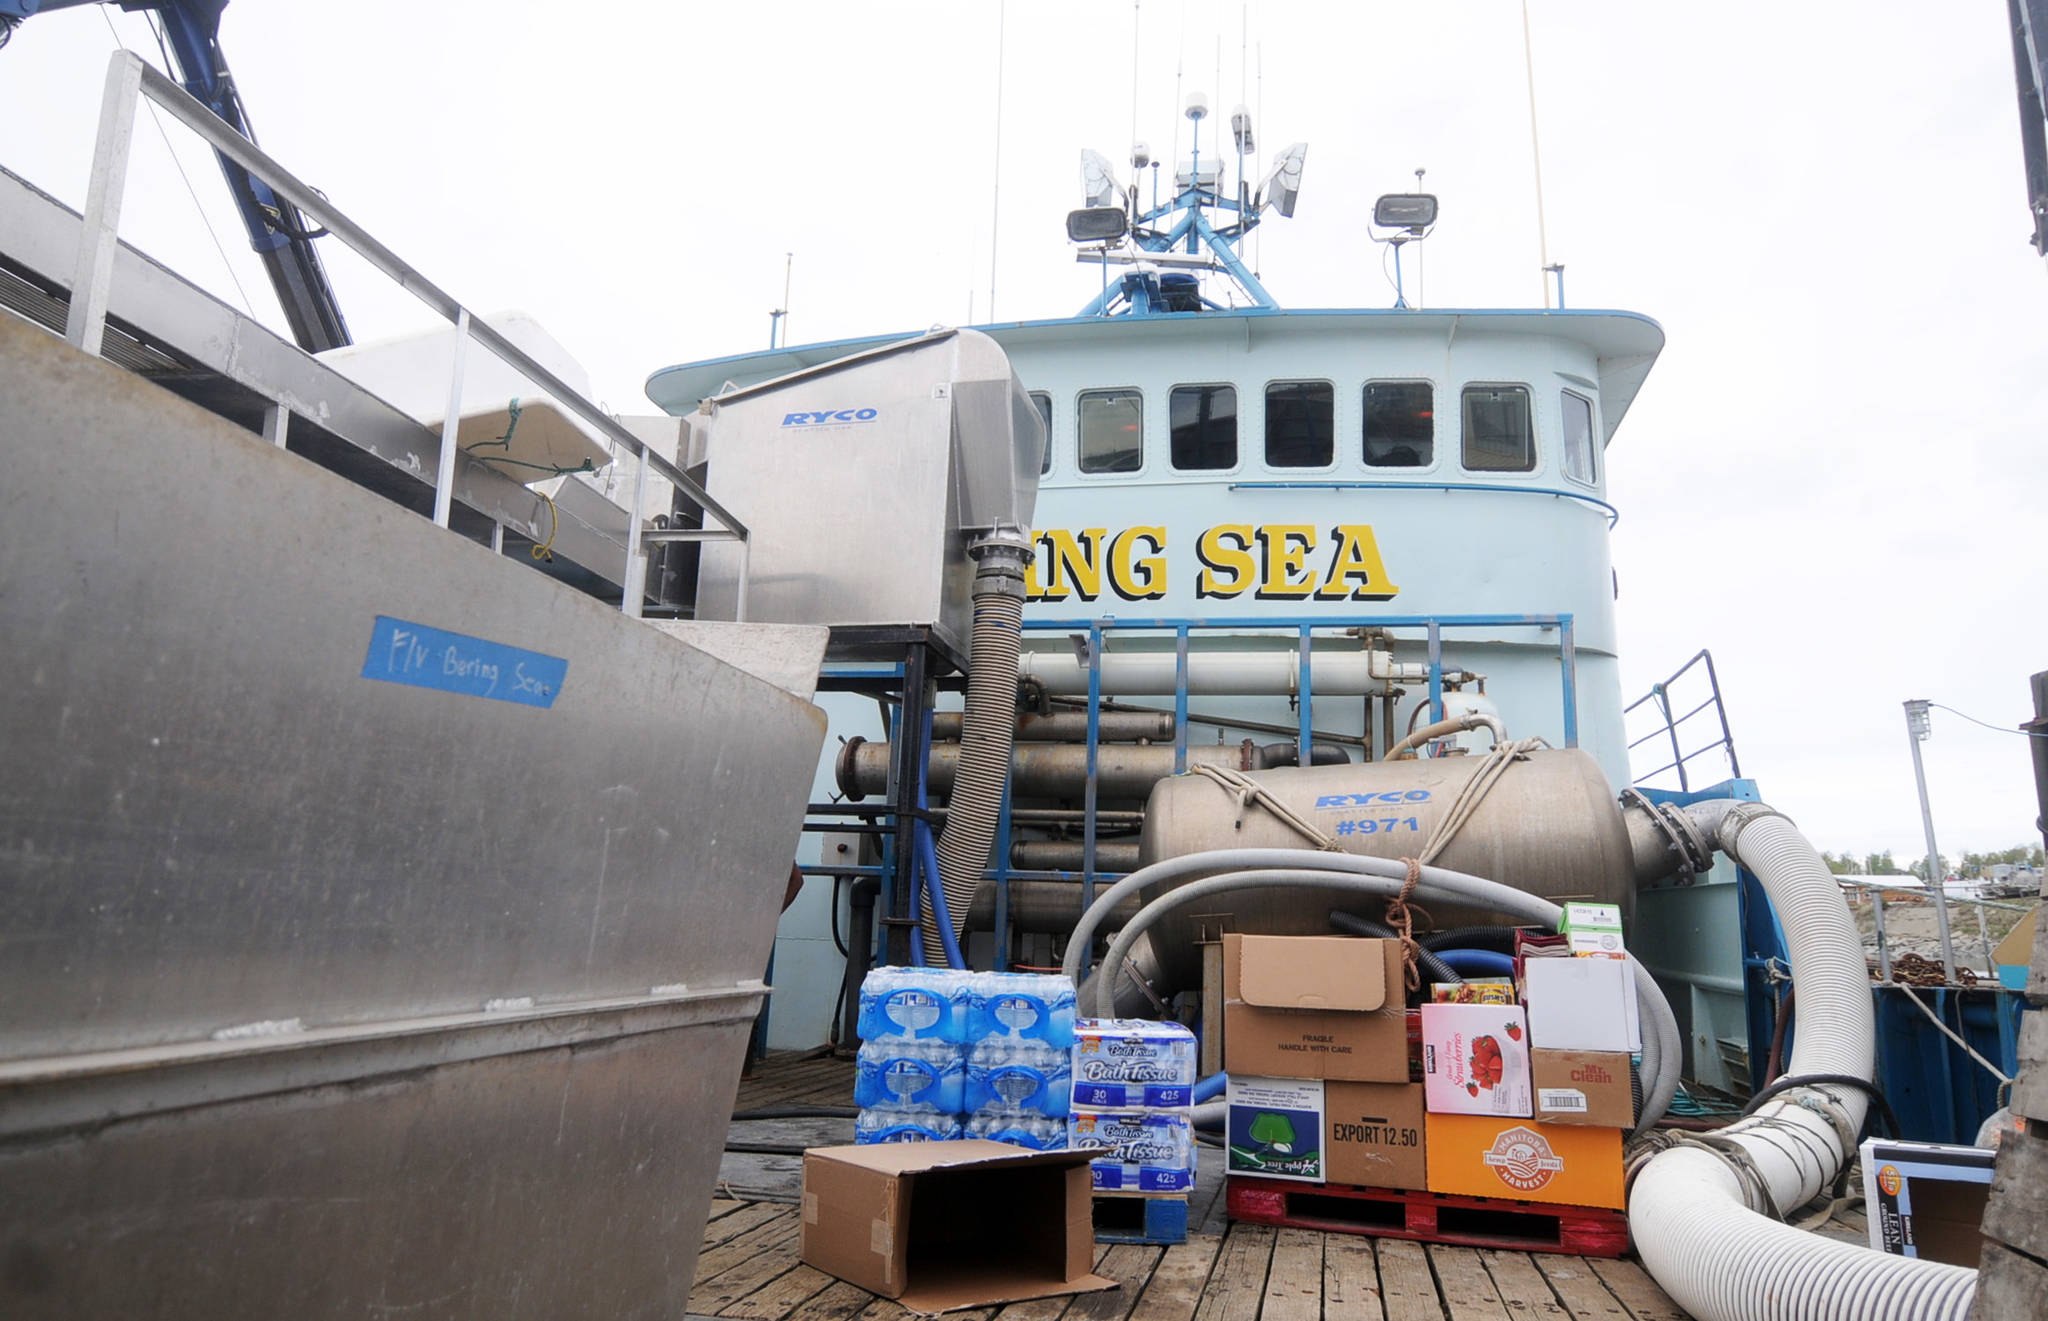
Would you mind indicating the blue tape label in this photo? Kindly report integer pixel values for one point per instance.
(424, 657)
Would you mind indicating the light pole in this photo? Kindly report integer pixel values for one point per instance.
(1917, 730)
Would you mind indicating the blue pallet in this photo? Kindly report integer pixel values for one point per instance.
(1158, 1220)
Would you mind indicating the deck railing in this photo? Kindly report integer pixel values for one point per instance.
(130, 78)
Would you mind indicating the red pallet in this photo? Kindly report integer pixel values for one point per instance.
(1476, 1222)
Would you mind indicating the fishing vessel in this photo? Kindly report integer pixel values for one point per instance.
(1085, 601)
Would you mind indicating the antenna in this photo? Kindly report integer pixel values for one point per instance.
(1536, 151)
(1421, 267)
(775, 318)
(996, 188)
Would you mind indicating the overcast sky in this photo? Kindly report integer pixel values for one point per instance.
(1833, 479)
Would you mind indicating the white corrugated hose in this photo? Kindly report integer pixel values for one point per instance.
(1695, 1213)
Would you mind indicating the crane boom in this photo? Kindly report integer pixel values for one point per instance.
(278, 233)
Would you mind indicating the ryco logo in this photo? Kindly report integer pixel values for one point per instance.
(829, 416)
(1523, 1160)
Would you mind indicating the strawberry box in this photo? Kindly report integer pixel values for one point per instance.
(1475, 1060)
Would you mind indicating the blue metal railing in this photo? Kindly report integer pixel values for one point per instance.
(1433, 628)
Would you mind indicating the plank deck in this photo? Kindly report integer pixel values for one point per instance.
(748, 1269)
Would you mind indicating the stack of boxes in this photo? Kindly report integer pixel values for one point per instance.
(1134, 1084)
(1493, 1094)
(949, 1054)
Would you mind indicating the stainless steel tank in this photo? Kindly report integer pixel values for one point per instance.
(1550, 825)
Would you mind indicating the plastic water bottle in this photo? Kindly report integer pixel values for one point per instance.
(909, 1075)
(1039, 1134)
(914, 1004)
(1132, 1064)
(1022, 1006)
(1142, 1151)
(1011, 1077)
(885, 1124)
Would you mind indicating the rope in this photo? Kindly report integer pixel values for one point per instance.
(1401, 917)
(544, 550)
(1248, 791)
(1491, 768)
(1934, 1018)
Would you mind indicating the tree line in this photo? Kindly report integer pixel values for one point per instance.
(1972, 866)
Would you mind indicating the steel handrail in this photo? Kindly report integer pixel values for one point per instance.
(130, 77)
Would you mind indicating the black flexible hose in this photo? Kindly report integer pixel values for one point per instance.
(767, 1148)
(797, 1112)
(1438, 970)
(1501, 940)
(1789, 1081)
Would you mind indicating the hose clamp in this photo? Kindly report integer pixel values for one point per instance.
(1694, 852)
(1739, 818)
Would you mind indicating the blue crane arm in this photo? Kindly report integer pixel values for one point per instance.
(277, 231)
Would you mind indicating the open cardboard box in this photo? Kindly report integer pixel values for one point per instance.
(1328, 1007)
(944, 1225)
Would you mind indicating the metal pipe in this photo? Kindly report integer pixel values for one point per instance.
(860, 944)
(1247, 673)
(1065, 855)
(1232, 722)
(1917, 729)
(1039, 906)
(1455, 725)
(1047, 770)
(1072, 726)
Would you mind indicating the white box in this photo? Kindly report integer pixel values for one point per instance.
(1475, 1060)
(1581, 1004)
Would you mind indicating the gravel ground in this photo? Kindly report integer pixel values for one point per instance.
(1910, 925)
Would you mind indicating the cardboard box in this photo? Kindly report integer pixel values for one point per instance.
(1314, 1007)
(1581, 1004)
(1475, 1059)
(1591, 917)
(1923, 1199)
(1527, 1161)
(1373, 1134)
(1587, 1087)
(1274, 1128)
(944, 1225)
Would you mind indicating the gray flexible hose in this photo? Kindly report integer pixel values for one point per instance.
(1694, 1211)
(1370, 876)
(988, 729)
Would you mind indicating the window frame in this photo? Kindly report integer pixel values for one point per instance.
(1436, 438)
(1266, 463)
(1047, 412)
(1237, 392)
(1529, 411)
(1144, 423)
(1564, 461)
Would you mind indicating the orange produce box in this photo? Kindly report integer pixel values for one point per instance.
(1486, 1156)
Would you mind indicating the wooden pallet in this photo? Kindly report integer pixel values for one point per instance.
(1158, 1219)
(1478, 1222)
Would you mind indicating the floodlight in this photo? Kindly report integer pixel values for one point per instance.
(1282, 184)
(1141, 155)
(1097, 224)
(1098, 180)
(1413, 212)
(1198, 106)
(1241, 129)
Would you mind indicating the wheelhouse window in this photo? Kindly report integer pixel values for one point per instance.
(1498, 436)
(1300, 424)
(1112, 430)
(1202, 421)
(1043, 403)
(1578, 438)
(1400, 424)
